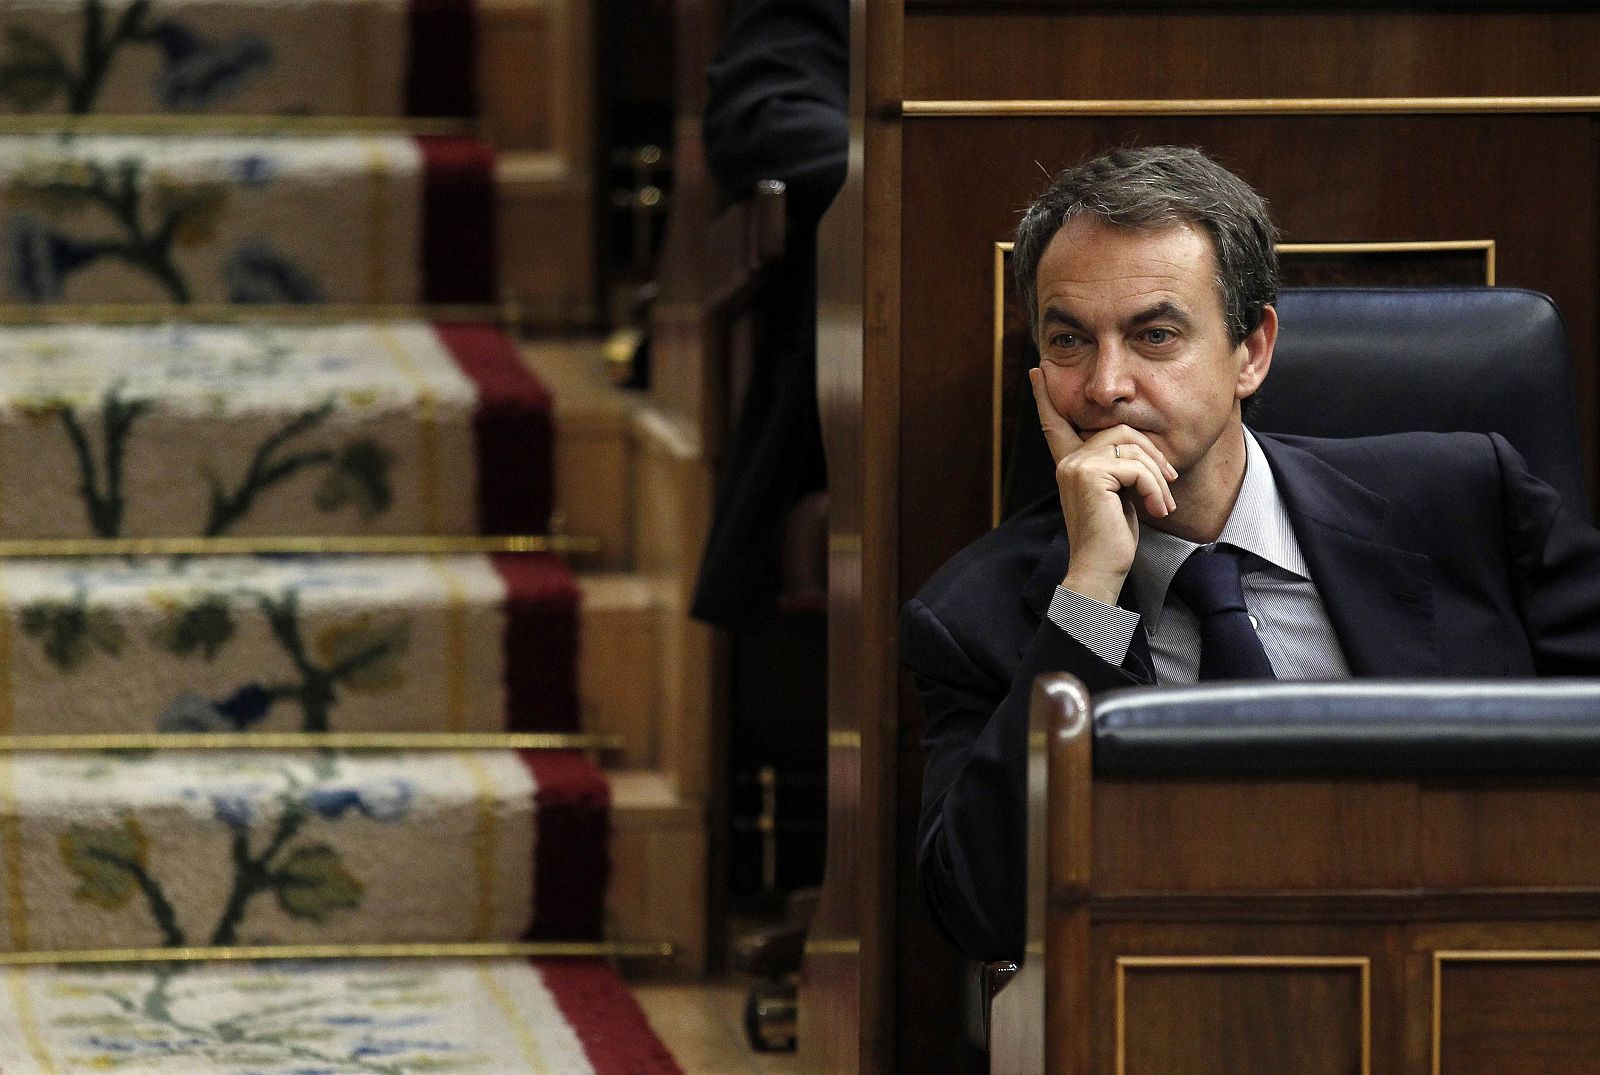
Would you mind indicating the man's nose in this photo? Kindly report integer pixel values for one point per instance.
(1111, 380)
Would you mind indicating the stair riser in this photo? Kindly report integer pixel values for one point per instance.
(236, 431)
(405, 644)
(326, 57)
(378, 219)
(407, 848)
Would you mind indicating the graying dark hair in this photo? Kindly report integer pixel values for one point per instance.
(1155, 187)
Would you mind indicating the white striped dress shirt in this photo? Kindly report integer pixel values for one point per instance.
(1278, 593)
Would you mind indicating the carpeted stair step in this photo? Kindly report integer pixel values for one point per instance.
(354, 428)
(255, 57)
(380, 219)
(121, 850)
(289, 644)
(491, 1017)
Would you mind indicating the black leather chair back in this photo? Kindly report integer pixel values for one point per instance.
(1361, 361)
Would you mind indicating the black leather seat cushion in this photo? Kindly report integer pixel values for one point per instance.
(1358, 726)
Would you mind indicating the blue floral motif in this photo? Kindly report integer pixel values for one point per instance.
(233, 809)
(256, 273)
(191, 712)
(254, 170)
(388, 800)
(246, 706)
(197, 72)
(39, 258)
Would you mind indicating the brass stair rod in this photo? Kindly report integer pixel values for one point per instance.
(355, 741)
(250, 953)
(328, 545)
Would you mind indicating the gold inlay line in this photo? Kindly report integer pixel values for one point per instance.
(455, 645)
(30, 1021)
(427, 427)
(1361, 964)
(483, 848)
(226, 314)
(251, 953)
(58, 743)
(377, 219)
(299, 545)
(1246, 106)
(248, 126)
(531, 1049)
(841, 947)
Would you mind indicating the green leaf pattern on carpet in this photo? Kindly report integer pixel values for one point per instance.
(364, 653)
(266, 809)
(34, 72)
(96, 210)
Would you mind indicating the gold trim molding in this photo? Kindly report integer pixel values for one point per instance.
(251, 953)
(1441, 246)
(1515, 955)
(301, 126)
(845, 946)
(58, 743)
(1220, 962)
(1250, 106)
(303, 545)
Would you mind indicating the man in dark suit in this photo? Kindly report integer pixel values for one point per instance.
(778, 109)
(1182, 546)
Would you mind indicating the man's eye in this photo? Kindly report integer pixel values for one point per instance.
(1160, 335)
(1064, 340)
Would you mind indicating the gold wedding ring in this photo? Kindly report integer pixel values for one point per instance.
(1116, 450)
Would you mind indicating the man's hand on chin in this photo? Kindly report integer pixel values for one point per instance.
(1102, 479)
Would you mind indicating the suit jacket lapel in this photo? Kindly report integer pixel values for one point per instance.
(1379, 596)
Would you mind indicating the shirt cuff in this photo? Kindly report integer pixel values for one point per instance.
(1105, 630)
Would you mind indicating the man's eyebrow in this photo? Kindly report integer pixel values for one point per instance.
(1161, 311)
(1054, 315)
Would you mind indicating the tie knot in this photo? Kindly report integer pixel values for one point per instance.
(1208, 582)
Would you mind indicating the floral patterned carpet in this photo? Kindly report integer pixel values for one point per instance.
(390, 1018)
(207, 417)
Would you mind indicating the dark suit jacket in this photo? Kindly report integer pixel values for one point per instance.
(778, 109)
(1436, 555)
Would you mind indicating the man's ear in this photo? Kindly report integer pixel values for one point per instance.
(1257, 354)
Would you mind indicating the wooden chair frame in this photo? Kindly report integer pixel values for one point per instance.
(1426, 924)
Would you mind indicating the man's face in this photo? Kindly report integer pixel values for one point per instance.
(1130, 331)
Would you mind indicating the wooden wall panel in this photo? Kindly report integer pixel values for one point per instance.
(1497, 1016)
(1186, 54)
(1303, 834)
(1306, 980)
(1242, 1020)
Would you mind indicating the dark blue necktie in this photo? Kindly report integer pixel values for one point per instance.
(1208, 582)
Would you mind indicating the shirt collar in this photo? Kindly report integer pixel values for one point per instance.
(1258, 524)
